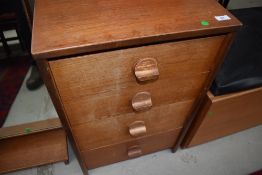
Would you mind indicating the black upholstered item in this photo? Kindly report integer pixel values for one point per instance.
(242, 68)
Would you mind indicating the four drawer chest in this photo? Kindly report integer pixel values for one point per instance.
(127, 76)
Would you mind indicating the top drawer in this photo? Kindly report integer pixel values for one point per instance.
(180, 66)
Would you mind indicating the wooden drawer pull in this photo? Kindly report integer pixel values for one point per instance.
(134, 151)
(146, 69)
(137, 128)
(142, 101)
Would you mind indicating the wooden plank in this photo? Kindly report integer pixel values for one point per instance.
(227, 114)
(30, 128)
(85, 26)
(33, 150)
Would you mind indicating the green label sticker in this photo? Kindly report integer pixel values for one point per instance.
(204, 23)
(27, 130)
(210, 113)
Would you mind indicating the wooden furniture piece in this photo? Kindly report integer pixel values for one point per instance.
(127, 77)
(32, 144)
(226, 114)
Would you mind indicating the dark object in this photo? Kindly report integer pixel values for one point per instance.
(242, 68)
(224, 2)
(35, 80)
(257, 173)
(11, 78)
(14, 17)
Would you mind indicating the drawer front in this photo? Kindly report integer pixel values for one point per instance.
(131, 126)
(123, 151)
(103, 106)
(101, 85)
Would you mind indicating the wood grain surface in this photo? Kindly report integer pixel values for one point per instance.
(227, 114)
(225, 46)
(103, 85)
(119, 152)
(53, 92)
(116, 129)
(66, 27)
(33, 150)
(30, 128)
(87, 49)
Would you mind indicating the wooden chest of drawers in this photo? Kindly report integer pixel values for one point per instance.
(127, 77)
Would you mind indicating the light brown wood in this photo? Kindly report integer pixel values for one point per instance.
(142, 101)
(30, 128)
(227, 114)
(33, 150)
(53, 92)
(137, 128)
(107, 71)
(183, 66)
(116, 129)
(146, 69)
(134, 151)
(102, 106)
(89, 25)
(201, 98)
(115, 153)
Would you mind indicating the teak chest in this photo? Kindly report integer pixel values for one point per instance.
(127, 76)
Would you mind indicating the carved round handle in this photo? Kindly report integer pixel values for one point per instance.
(137, 128)
(134, 151)
(146, 69)
(142, 101)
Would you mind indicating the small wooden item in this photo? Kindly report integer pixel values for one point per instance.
(224, 115)
(146, 69)
(32, 144)
(137, 128)
(134, 151)
(142, 101)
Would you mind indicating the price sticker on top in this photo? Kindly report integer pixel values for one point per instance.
(222, 18)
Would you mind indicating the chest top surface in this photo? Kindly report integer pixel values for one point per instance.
(66, 27)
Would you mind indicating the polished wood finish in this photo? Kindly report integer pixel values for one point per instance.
(224, 115)
(53, 92)
(30, 128)
(146, 69)
(137, 128)
(184, 67)
(85, 26)
(102, 106)
(134, 151)
(114, 130)
(33, 150)
(142, 101)
(200, 99)
(95, 56)
(119, 152)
